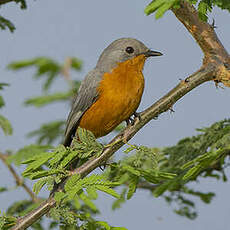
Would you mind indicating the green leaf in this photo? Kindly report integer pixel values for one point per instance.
(59, 153)
(59, 196)
(39, 185)
(163, 8)
(76, 63)
(222, 4)
(108, 190)
(153, 6)
(3, 189)
(6, 126)
(160, 7)
(48, 132)
(88, 202)
(92, 193)
(27, 152)
(118, 202)
(202, 10)
(7, 222)
(131, 170)
(48, 99)
(103, 224)
(118, 228)
(45, 67)
(2, 102)
(6, 24)
(44, 173)
(132, 186)
(68, 158)
(2, 85)
(71, 182)
(86, 145)
(36, 162)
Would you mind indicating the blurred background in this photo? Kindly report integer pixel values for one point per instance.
(59, 29)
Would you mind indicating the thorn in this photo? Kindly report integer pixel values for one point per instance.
(213, 24)
(184, 80)
(171, 109)
(155, 118)
(102, 167)
(217, 84)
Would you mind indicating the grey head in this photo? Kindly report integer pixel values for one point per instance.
(121, 50)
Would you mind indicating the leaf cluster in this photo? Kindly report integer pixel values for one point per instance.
(48, 132)
(46, 68)
(159, 7)
(204, 155)
(54, 167)
(60, 159)
(7, 24)
(49, 70)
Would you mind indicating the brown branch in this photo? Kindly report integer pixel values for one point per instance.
(207, 39)
(215, 67)
(18, 180)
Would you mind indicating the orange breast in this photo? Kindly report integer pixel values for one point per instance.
(120, 93)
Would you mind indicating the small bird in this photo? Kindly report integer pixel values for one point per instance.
(112, 91)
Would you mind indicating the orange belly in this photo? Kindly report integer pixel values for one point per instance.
(120, 94)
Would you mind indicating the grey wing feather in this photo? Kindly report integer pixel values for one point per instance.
(87, 95)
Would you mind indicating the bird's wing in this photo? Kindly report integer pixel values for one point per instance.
(87, 95)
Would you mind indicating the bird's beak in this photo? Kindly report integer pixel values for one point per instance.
(151, 53)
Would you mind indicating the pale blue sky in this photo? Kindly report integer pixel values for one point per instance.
(83, 29)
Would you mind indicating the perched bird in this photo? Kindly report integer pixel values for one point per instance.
(112, 91)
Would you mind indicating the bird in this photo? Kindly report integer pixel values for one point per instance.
(112, 91)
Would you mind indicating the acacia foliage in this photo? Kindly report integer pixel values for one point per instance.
(165, 172)
(159, 7)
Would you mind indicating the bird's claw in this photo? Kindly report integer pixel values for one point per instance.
(131, 120)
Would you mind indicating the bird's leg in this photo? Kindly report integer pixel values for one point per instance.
(138, 115)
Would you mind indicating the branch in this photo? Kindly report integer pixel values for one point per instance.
(162, 105)
(207, 39)
(18, 180)
(215, 67)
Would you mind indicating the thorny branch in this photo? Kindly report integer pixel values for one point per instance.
(18, 180)
(216, 66)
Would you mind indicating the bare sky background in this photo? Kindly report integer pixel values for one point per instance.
(83, 29)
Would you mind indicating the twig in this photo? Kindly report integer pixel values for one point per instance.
(214, 68)
(18, 180)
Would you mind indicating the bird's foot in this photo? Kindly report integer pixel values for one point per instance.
(131, 120)
(217, 84)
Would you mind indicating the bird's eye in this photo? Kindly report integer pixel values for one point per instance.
(129, 50)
